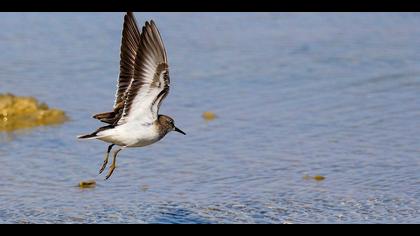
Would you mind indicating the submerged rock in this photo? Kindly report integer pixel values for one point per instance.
(319, 177)
(208, 115)
(87, 184)
(316, 177)
(26, 112)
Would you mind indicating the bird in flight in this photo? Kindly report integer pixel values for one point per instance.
(142, 85)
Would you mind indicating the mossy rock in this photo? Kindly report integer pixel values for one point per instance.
(26, 112)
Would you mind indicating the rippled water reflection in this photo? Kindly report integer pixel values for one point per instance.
(296, 94)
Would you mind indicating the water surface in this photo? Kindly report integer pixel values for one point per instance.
(296, 94)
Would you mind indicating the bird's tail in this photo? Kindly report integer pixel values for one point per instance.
(96, 134)
(87, 136)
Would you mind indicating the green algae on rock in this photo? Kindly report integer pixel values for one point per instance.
(26, 112)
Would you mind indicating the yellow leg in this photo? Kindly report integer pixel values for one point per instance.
(113, 165)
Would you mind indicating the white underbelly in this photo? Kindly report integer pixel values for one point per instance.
(131, 136)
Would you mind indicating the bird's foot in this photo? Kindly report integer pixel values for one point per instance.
(111, 170)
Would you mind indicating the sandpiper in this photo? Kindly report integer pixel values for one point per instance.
(143, 84)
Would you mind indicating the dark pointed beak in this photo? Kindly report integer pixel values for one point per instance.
(180, 131)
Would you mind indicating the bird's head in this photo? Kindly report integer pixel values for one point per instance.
(169, 124)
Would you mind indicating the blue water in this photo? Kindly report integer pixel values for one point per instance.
(296, 94)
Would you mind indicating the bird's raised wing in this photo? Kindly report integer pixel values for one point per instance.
(129, 46)
(150, 83)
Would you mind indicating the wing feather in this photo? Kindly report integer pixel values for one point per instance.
(150, 84)
(129, 47)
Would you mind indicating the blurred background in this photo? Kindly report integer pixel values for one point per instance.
(317, 120)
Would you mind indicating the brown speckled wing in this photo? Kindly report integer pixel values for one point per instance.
(150, 83)
(129, 47)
